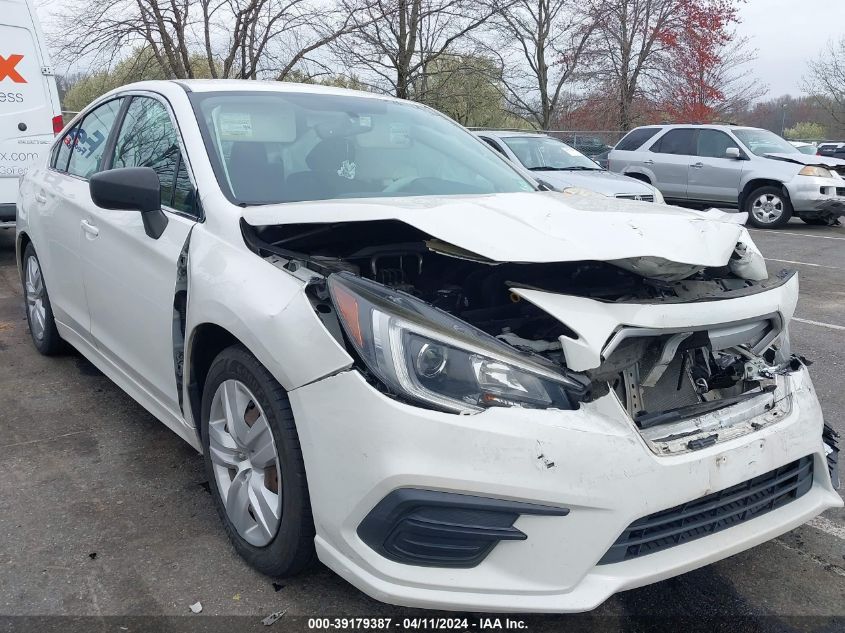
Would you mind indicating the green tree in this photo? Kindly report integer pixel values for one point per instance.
(808, 130)
(466, 88)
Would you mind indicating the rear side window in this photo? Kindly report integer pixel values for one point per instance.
(679, 141)
(635, 138)
(148, 139)
(89, 139)
(61, 153)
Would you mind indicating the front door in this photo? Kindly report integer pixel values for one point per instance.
(130, 277)
(713, 177)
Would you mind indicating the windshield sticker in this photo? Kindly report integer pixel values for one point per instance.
(347, 170)
(237, 124)
(400, 135)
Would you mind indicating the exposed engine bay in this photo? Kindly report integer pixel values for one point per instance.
(660, 378)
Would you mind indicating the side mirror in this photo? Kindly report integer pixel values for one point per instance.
(733, 152)
(131, 189)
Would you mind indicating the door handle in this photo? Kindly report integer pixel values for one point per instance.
(697, 165)
(648, 162)
(89, 228)
(40, 198)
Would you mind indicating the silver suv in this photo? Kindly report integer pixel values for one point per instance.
(730, 166)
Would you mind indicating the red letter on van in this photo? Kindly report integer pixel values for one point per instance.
(7, 68)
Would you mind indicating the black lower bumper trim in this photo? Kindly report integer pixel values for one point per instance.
(442, 529)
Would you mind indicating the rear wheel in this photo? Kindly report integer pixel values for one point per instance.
(254, 464)
(768, 207)
(39, 312)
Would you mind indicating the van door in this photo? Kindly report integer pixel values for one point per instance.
(28, 99)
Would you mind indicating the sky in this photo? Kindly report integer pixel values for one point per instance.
(787, 34)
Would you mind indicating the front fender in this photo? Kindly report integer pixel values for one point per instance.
(263, 306)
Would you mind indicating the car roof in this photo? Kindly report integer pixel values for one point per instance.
(725, 127)
(250, 85)
(510, 133)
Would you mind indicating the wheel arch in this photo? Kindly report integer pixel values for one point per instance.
(23, 240)
(205, 342)
(637, 175)
(756, 183)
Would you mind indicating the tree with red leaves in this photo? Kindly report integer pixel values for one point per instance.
(704, 78)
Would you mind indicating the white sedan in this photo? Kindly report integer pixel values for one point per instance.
(398, 354)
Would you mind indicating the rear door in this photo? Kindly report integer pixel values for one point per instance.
(714, 177)
(28, 98)
(60, 199)
(671, 155)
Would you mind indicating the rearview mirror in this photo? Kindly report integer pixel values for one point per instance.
(131, 189)
(732, 152)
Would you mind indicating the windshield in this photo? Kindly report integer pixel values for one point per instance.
(763, 142)
(291, 146)
(540, 153)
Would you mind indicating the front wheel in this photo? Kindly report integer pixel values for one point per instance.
(254, 464)
(39, 311)
(768, 208)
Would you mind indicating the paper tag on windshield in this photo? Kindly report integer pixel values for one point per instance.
(236, 124)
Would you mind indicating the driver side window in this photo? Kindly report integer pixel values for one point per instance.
(148, 139)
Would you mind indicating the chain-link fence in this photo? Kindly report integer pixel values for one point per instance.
(590, 142)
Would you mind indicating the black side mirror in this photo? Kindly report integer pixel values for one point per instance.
(131, 189)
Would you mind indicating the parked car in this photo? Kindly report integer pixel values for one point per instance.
(829, 148)
(725, 165)
(30, 115)
(394, 350)
(563, 167)
(804, 148)
(603, 159)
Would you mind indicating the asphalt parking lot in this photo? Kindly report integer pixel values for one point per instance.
(104, 512)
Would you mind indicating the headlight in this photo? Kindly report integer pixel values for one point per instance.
(819, 172)
(427, 355)
(580, 191)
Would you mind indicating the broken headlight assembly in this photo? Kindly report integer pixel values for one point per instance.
(429, 356)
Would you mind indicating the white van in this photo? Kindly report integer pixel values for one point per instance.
(30, 113)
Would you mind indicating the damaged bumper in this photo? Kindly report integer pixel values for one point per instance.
(819, 197)
(591, 465)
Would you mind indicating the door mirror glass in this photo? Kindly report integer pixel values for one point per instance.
(732, 152)
(131, 189)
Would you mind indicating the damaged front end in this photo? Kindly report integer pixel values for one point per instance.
(432, 323)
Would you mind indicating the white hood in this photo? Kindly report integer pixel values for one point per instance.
(536, 227)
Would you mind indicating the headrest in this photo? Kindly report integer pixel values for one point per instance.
(329, 154)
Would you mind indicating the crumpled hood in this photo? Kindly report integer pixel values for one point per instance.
(537, 226)
(807, 159)
(605, 182)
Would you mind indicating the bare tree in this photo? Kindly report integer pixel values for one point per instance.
(392, 42)
(541, 46)
(825, 80)
(631, 44)
(208, 38)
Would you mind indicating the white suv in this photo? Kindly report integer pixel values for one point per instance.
(396, 352)
(730, 166)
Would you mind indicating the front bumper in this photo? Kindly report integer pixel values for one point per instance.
(360, 445)
(817, 196)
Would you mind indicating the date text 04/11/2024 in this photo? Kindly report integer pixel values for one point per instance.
(432, 623)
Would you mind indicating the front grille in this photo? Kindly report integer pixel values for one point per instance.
(840, 169)
(636, 196)
(840, 191)
(712, 513)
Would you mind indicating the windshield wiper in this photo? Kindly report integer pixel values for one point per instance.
(575, 168)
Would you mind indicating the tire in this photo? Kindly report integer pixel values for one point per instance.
(39, 311)
(768, 207)
(259, 427)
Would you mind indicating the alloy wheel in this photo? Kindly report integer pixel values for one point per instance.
(767, 208)
(245, 463)
(34, 288)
